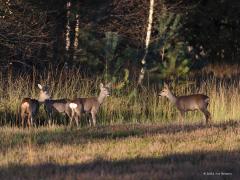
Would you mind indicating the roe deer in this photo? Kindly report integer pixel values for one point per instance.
(188, 103)
(89, 105)
(54, 105)
(31, 106)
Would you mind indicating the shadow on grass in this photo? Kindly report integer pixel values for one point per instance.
(143, 130)
(196, 165)
(66, 135)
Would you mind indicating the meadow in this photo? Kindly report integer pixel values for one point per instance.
(136, 137)
(125, 105)
(138, 151)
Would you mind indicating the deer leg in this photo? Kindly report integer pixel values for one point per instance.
(66, 120)
(76, 119)
(31, 115)
(73, 116)
(49, 114)
(70, 124)
(33, 119)
(93, 113)
(29, 119)
(50, 119)
(207, 115)
(90, 121)
(69, 115)
(53, 119)
(22, 118)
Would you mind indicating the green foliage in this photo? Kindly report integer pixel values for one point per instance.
(175, 65)
(170, 50)
(91, 49)
(115, 69)
(103, 52)
(110, 44)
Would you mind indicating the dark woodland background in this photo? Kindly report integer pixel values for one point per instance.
(111, 37)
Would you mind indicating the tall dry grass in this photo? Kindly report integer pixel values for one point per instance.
(146, 106)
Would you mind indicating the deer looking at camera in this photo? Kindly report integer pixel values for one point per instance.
(52, 106)
(29, 107)
(89, 105)
(188, 103)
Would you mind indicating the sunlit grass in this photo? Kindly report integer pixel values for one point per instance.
(114, 142)
(135, 150)
(120, 108)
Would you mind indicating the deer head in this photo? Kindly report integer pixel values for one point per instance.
(44, 93)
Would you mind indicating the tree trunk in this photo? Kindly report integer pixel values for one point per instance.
(147, 41)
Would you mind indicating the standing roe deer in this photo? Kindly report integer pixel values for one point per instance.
(188, 103)
(30, 106)
(54, 105)
(89, 105)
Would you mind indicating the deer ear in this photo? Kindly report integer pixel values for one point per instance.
(165, 85)
(40, 86)
(101, 85)
(109, 85)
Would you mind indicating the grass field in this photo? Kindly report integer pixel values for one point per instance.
(137, 137)
(133, 151)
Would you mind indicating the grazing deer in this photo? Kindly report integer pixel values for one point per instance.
(30, 106)
(188, 103)
(89, 105)
(53, 105)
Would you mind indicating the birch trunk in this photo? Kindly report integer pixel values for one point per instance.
(68, 26)
(76, 36)
(147, 41)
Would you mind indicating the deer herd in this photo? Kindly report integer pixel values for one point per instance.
(72, 108)
(75, 108)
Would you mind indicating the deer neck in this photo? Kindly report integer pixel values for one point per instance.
(172, 98)
(101, 98)
(43, 97)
